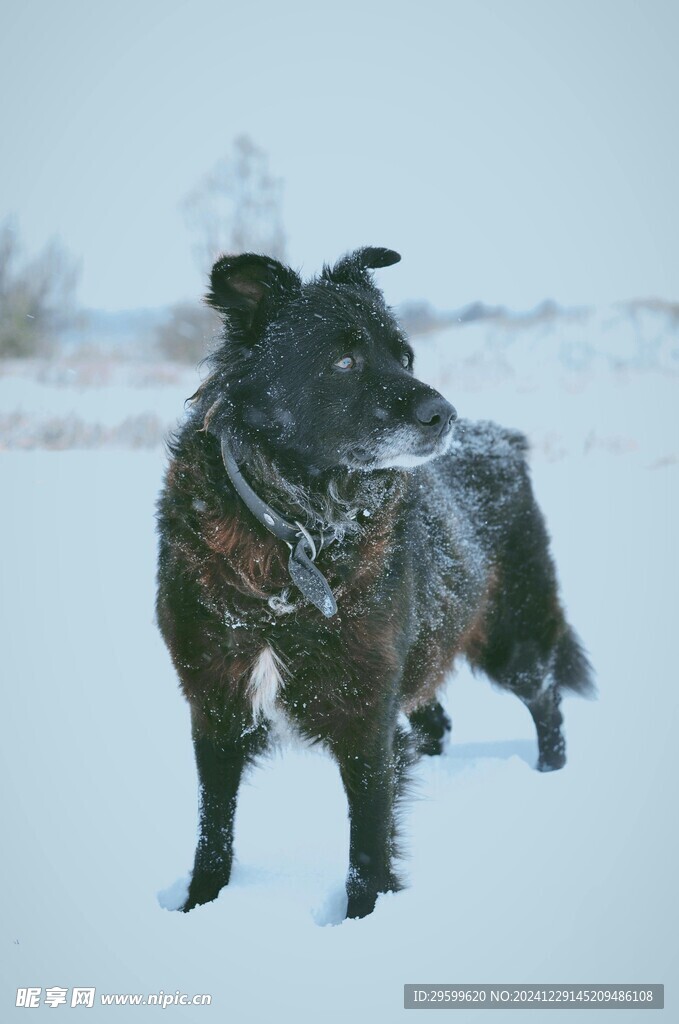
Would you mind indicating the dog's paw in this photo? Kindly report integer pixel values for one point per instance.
(432, 746)
(552, 761)
(203, 889)
(361, 905)
(362, 893)
(431, 728)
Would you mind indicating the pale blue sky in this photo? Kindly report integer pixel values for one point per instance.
(509, 149)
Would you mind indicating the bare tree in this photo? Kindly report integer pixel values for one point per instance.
(237, 207)
(36, 296)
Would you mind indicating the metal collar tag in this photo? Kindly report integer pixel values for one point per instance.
(309, 580)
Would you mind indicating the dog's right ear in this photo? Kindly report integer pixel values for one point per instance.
(247, 288)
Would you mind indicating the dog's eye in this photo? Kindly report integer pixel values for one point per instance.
(406, 361)
(346, 363)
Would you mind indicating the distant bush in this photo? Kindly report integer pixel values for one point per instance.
(189, 333)
(36, 296)
(422, 318)
(61, 433)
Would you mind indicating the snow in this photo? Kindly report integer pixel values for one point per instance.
(513, 875)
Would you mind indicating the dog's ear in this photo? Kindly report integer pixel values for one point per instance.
(353, 268)
(245, 288)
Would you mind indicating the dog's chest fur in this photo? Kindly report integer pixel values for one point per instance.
(243, 569)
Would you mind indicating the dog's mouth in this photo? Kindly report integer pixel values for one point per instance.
(402, 449)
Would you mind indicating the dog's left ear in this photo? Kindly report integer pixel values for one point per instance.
(244, 288)
(353, 268)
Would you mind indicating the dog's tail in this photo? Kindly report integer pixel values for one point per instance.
(571, 667)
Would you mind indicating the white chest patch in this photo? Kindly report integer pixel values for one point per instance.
(266, 679)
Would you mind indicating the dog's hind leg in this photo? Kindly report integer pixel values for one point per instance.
(220, 763)
(568, 669)
(528, 673)
(534, 678)
(431, 725)
(545, 708)
(538, 673)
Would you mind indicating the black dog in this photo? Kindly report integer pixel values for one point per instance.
(330, 541)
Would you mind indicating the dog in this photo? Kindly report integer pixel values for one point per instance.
(331, 539)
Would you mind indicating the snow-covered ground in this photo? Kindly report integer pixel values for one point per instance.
(514, 876)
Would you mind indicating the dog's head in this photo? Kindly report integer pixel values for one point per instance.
(320, 373)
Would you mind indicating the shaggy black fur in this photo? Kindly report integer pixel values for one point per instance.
(439, 551)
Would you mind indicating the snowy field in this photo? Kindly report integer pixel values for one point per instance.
(513, 876)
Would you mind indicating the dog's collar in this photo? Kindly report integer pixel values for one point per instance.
(304, 546)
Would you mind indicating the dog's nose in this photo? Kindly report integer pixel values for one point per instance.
(435, 414)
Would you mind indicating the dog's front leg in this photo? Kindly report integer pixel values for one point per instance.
(220, 761)
(370, 777)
